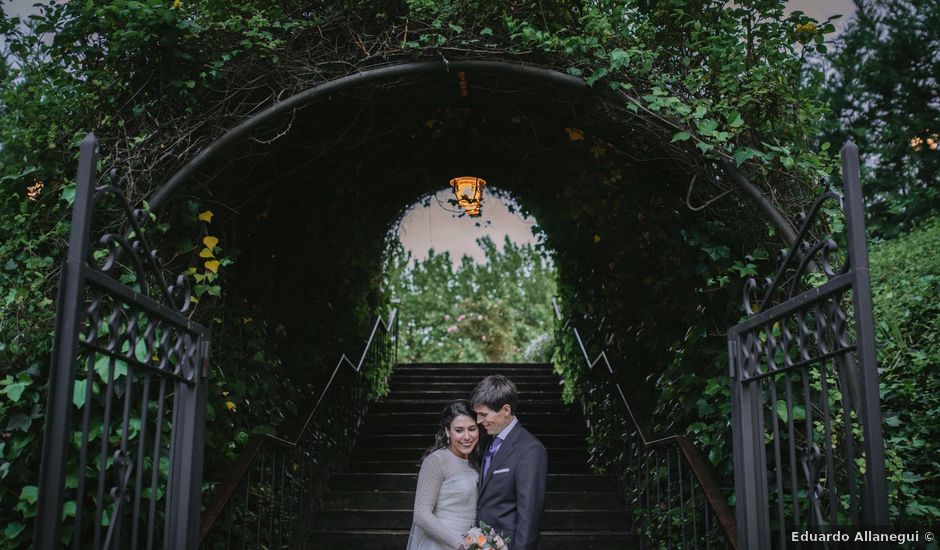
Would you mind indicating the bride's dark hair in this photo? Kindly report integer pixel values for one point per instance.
(457, 407)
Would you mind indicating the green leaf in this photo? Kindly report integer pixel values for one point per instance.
(707, 126)
(486, 31)
(15, 390)
(744, 154)
(26, 171)
(78, 393)
(704, 147)
(140, 351)
(29, 494)
(597, 75)
(681, 136)
(13, 530)
(19, 421)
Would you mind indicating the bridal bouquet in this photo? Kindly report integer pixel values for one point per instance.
(484, 537)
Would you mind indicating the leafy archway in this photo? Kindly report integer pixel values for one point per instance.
(302, 203)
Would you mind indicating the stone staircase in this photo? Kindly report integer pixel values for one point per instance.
(370, 505)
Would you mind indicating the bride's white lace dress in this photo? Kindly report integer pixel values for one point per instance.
(445, 502)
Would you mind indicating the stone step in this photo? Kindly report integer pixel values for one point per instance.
(373, 427)
(406, 466)
(561, 520)
(471, 379)
(414, 454)
(541, 419)
(479, 370)
(380, 441)
(575, 483)
(525, 407)
(422, 383)
(396, 539)
(381, 500)
(443, 396)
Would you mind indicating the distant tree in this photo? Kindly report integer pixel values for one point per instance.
(497, 311)
(885, 93)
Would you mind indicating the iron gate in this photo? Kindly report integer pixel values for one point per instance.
(808, 450)
(123, 448)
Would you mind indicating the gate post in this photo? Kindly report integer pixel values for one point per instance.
(65, 346)
(104, 323)
(749, 462)
(803, 337)
(875, 500)
(184, 485)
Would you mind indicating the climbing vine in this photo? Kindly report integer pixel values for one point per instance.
(159, 80)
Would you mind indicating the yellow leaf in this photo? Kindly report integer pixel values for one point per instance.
(574, 134)
(213, 266)
(206, 216)
(206, 253)
(210, 241)
(597, 238)
(230, 406)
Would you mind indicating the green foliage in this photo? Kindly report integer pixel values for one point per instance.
(884, 93)
(157, 80)
(496, 311)
(906, 292)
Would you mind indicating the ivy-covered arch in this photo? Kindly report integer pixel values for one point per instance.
(307, 189)
(160, 80)
(444, 68)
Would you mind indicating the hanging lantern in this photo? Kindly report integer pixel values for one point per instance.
(469, 193)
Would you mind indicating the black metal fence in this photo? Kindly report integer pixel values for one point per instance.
(808, 449)
(123, 448)
(270, 499)
(672, 497)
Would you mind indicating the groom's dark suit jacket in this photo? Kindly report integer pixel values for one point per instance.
(512, 495)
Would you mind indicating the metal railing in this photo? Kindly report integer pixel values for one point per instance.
(670, 488)
(270, 498)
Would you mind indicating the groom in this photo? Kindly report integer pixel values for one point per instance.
(515, 466)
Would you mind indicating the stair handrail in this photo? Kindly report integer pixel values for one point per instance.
(249, 453)
(694, 459)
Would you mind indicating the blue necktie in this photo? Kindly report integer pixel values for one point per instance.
(494, 446)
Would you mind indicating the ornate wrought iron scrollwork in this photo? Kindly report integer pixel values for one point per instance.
(804, 383)
(126, 370)
(808, 254)
(144, 257)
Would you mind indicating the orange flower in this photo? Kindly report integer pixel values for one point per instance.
(481, 539)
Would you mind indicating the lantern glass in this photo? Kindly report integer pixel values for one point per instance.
(469, 193)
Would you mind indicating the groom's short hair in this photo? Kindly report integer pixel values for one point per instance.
(494, 391)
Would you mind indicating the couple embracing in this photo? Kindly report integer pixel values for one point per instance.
(467, 477)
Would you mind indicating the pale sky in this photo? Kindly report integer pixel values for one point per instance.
(436, 227)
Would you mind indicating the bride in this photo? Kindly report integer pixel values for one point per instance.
(446, 497)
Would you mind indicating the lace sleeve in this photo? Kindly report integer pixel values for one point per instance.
(430, 480)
